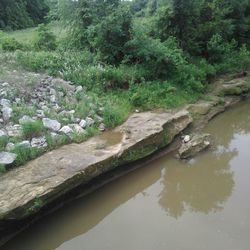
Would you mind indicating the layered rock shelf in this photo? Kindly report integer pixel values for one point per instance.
(25, 190)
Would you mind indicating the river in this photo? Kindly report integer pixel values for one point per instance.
(168, 204)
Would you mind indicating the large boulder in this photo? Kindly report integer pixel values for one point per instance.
(197, 144)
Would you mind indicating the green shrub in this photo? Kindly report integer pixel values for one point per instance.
(10, 44)
(3, 142)
(25, 154)
(2, 169)
(32, 129)
(45, 39)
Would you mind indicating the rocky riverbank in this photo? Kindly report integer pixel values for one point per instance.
(39, 113)
(24, 191)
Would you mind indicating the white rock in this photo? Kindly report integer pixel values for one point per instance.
(83, 123)
(6, 112)
(79, 89)
(18, 100)
(66, 130)
(52, 92)
(89, 121)
(5, 102)
(102, 127)
(186, 138)
(5, 84)
(39, 142)
(10, 146)
(40, 113)
(14, 131)
(7, 158)
(76, 128)
(2, 133)
(53, 98)
(53, 125)
(25, 119)
(25, 144)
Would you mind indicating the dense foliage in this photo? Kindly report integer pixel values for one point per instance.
(18, 14)
(140, 53)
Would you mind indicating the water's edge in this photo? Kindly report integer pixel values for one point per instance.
(12, 228)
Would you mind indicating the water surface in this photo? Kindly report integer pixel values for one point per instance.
(202, 204)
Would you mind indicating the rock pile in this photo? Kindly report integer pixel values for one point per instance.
(61, 107)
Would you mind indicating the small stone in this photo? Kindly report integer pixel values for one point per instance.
(24, 144)
(52, 92)
(83, 123)
(25, 119)
(39, 142)
(14, 131)
(2, 133)
(18, 100)
(186, 138)
(89, 121)
(5, 102)
(10, 146)
(102, 127)
(6, 112)
(40, 113)
(45, 108)
(53, 125)
(137, 111)
(7, 158)
(76, 128)
(53, 98)
(79, 89)
(5, 84)
(66, 130)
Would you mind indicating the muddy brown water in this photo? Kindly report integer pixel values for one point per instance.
(168, 204)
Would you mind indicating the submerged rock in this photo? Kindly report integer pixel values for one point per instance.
(194, 146)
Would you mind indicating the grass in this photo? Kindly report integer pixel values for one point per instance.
(112, 92)
(32, 129)
(3, 142)
(27, 35)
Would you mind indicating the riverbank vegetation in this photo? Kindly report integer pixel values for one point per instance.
(130, 55)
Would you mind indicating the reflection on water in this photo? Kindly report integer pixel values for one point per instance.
(200, 186)
(168, 204)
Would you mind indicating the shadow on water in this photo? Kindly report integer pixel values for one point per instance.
(201, 185)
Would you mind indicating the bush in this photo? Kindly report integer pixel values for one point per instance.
(112, 35)
(10, 44)
(3, 142)
(45, 39)
(162, 59)
(220, 50)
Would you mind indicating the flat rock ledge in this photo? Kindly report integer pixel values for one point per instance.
(25, 190)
